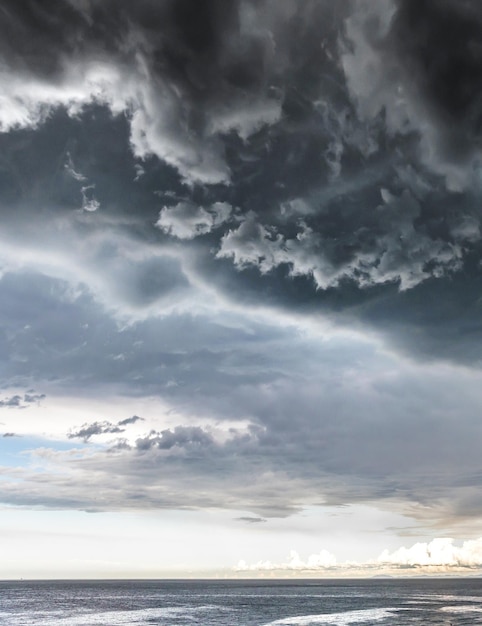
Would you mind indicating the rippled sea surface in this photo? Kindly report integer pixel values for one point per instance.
(447, 602)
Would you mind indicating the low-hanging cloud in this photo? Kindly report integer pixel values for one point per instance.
(441, 555)
(322, 561)
(440, 552)
(262, 217)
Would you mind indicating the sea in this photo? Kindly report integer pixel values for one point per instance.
(394, 602)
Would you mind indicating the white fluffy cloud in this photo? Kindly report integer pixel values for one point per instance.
(321, 561)
(438, 556)
(186, 220)
(399, 252)
(441, 552)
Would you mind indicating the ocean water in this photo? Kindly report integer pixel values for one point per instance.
(447, 602)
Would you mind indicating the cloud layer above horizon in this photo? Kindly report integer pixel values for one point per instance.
(245, 237)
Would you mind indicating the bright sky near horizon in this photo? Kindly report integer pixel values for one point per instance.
(240, 288)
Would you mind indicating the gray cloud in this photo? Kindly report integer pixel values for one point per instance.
(187, 72)
(332, 191)
(388, 437)
(22, 402)
(361, 427)
(193, 471)
(181, 436)
(86, 431)
(33, 397)
(130, 420)
(257, 170)
(397, 70)
(398, 252)
(12, 402)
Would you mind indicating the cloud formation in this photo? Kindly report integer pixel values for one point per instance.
(395, 69)
(440, 555)
(186, 220)
(262, 218)
(399, 254)
(315, 562)
(22, 402)
(188, 97)
(187, 72)
(87, 431)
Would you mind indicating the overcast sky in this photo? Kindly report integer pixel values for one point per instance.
(240, 287)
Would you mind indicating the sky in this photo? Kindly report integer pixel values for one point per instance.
(240, 288)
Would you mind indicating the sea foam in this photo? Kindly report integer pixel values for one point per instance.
(337, 619)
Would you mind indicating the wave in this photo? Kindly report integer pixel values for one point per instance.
(113, 618)
(445, 597)
(462, 609)
(337, 619)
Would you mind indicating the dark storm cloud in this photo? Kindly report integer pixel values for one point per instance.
(439, 44)
(330, 152)
(415, 66)
(186, 72)
(330, 185)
